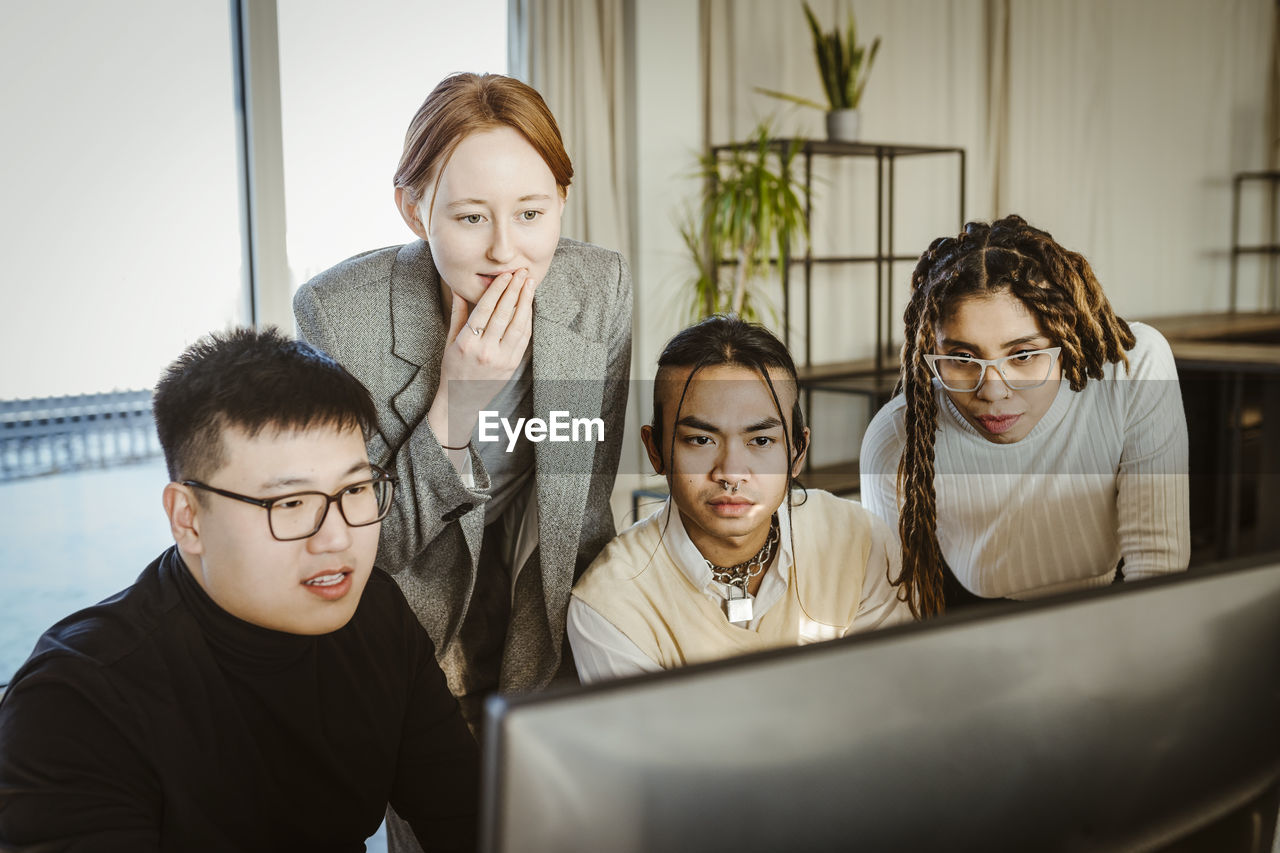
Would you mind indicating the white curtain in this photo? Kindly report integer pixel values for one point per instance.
(1126, 124)
(1116, 126)
(927, 86)
(574, 53)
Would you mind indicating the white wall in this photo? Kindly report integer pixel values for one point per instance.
(1130, 120)
(1125, 124)
(667, 121)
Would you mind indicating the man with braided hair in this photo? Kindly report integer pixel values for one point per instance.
(739, 559)
(1037, 440)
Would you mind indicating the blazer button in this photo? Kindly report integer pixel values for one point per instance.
(458, 511)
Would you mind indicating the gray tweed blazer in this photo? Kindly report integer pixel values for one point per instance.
(379, 315)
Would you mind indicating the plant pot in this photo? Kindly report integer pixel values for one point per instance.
(842, 126)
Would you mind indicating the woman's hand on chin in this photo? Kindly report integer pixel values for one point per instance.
(485, 345)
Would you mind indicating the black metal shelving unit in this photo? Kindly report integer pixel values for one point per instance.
(886, 156)
(874, 379)
(1269, 249)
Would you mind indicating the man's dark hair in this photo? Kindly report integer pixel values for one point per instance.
(728, 340)
(252, 381)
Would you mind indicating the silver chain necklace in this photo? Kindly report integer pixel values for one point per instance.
(739, 576)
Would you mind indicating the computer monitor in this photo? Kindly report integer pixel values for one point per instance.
(1122, 719)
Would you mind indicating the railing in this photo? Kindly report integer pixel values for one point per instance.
(51, 435)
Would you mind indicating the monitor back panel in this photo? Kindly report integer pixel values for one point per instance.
(1114, 721)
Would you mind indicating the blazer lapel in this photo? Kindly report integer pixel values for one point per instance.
(418, 329)
(418, 333)
(568, 372)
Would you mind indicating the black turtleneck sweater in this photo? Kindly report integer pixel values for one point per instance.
(157, 721)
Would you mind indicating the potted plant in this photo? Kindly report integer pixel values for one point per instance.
(749, 214)
(844, 66)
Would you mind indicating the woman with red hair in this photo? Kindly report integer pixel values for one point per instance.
(479, 315)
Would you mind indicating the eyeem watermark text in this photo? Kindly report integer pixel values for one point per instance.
(560, 427)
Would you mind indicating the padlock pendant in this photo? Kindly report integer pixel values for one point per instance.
(738, 609)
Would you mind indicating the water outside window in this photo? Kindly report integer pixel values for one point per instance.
(71, 540)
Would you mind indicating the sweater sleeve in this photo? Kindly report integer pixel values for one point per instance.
(1151, 484)
(432, 494)
(878, 464)
(69, 779)
(881, 606)
(600, 650)
(437, 783)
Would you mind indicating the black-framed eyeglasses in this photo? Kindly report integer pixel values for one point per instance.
(301, 514)
(1020, 371)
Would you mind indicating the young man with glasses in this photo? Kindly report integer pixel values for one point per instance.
(261, 686)
(1039, 439)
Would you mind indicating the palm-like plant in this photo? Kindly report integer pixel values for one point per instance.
(750, 213)
(843, 64)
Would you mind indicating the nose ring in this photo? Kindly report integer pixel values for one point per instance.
(724, 484)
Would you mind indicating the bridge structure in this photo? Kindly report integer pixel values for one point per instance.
(53, 435)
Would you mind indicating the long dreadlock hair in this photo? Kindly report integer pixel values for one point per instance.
(1057, 286)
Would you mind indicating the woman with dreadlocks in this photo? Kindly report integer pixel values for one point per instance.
(1037, 439)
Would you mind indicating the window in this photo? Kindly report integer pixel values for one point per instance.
(121, 237)
(351, 77)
